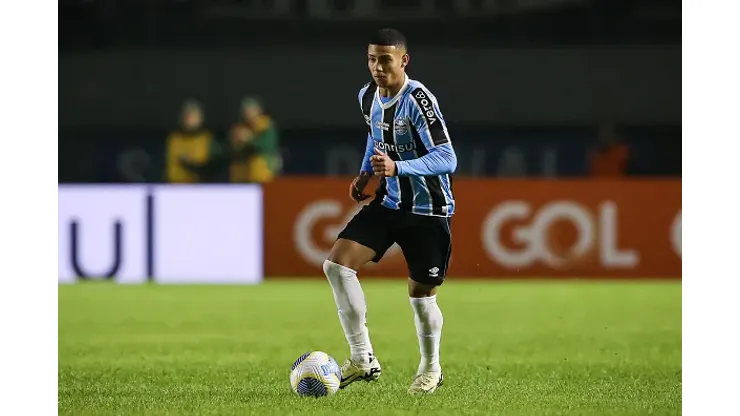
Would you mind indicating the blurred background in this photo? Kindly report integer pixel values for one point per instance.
(572, 108)
(530, 88)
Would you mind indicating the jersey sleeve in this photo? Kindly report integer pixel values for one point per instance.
(439, 161)
(360, 94)
(366, 165)
(427, 119)
(363, 91)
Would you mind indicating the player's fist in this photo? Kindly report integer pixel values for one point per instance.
(357, 187)
(382, 164)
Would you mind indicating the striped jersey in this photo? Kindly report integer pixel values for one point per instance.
(409, 127)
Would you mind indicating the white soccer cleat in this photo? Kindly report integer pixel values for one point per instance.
(353, 371)
(426, 382)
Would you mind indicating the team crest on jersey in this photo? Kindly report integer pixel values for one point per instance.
(401, 126)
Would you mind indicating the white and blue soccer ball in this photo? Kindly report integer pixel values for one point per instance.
(316, 374)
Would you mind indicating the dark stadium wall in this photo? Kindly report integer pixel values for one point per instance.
(635, 85)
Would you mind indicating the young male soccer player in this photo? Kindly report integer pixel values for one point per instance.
(409, 147)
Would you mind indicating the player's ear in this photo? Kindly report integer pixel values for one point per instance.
(405, 59)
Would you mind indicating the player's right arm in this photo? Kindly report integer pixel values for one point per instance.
(366, 165)
(357, 187)
(427, 119)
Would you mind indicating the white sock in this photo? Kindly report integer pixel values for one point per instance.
(428, 319)
(352, 309)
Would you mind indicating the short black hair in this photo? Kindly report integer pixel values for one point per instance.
(388, 37)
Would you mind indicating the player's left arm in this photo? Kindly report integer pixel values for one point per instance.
(428, 121)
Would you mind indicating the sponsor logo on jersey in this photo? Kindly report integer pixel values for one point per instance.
(427, 108)
(382, 125)
(398, 148)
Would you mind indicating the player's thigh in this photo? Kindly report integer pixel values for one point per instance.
(365, 238)
(350, 253)
(427, 246)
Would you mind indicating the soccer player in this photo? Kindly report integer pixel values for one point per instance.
(409, 148)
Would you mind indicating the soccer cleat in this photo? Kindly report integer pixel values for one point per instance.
(353, 371)
(426, 382)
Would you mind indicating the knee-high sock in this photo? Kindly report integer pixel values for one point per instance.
(428, 319)
(352, 309)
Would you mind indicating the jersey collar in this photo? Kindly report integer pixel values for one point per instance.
(396, 97)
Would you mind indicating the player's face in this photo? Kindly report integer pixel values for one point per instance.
(386, 64)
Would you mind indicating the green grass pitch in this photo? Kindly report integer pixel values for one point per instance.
(528, 348)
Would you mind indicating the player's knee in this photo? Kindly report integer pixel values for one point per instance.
(421, 290)
(332, 268)
(336, 261)
(328, 267)
(337, 272)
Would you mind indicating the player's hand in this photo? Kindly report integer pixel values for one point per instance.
(383, 165)
(357, 187)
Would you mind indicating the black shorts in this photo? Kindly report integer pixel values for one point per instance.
(426, 241)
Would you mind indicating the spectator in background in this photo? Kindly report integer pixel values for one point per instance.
(190, 148)
(254, 145)
(610, 156)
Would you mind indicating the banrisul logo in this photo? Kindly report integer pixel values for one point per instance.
(398, 148)
(74, 251)
(106, 233)
(116, 233)
(133, 233)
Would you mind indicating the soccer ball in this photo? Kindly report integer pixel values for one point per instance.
(316, 374)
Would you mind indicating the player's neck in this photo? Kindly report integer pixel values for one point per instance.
(392, 90)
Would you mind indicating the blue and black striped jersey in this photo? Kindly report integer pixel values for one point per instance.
(409, 127)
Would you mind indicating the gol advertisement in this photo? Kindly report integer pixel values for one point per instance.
(501, 228)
